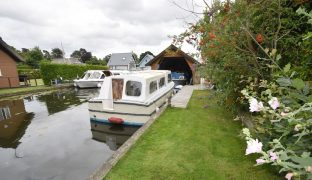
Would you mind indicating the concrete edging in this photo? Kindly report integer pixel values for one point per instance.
(102, 171)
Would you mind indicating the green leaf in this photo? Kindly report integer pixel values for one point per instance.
(298, 83)
(303, 161)
(284, 82)
(298, 96)
(287, 68)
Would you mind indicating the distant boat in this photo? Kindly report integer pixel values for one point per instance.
(95, 78)
(131, 99)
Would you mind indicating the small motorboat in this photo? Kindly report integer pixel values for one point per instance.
(131, 99)
(95, 78)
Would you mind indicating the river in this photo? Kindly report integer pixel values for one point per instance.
(51, 137)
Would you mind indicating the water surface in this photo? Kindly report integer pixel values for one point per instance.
(51, 137)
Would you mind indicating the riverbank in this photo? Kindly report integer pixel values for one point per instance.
(200, 142)
(26, 91)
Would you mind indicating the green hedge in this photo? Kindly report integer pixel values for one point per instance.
(51, 71)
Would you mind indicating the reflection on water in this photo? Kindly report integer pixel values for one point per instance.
(49, 137)
(13, 122)
(113, 135)
(60, 101)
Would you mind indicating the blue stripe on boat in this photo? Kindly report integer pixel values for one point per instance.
(105, 121)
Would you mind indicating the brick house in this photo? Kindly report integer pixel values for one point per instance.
(8, 70)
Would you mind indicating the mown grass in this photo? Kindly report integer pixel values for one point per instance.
(200, 142)
(23, 89)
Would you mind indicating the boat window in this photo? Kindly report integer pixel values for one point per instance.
(86, 76)
(161, 82)
(95, 75)
(116, 74)
(133, 88)
(169, 78)
(153, 86)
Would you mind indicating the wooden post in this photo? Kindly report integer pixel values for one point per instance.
(36, 82)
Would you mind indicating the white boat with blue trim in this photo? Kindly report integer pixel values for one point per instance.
(131, 99)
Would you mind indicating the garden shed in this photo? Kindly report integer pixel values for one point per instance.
(8, 70)
(177, 61)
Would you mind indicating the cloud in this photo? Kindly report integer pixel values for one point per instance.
(100, 26)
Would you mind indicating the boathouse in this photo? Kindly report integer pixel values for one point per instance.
(175, 60)
(8, 70)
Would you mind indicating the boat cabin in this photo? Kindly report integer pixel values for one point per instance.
(136, 86)
(131, 99)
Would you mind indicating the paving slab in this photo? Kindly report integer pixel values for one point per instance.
(181, 99)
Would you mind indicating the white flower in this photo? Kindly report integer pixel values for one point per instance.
(254, 105)
(274, 103)
(289, 176)
(273, 156)
(260, 161)
(253, 146)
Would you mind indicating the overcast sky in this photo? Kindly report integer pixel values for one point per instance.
(99, 26)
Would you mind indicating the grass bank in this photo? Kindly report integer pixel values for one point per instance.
(200, 142)
(21, 91)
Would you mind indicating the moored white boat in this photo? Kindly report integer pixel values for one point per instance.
(95, 78)
(131, 99)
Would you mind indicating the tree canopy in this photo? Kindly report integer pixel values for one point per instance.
(57, 53)
(142, 55)
(82, 54)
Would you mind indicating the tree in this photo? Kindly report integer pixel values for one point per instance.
(82, 54)
(33, 57)
(135, 56)
(107, 57)
(142, 55)
(95, 61)
(57, 53)
(46, 54)
(86, 56)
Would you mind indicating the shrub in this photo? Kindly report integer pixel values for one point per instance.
(51, 71)
(282, 122)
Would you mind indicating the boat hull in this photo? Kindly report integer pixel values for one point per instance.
(132, 114)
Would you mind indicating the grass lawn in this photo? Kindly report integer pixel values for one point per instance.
(39, 82)
(23, 90)
(200, 142)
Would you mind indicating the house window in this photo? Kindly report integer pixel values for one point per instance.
(153, 86)
(133, 88)
(5, 113)
(161, 82)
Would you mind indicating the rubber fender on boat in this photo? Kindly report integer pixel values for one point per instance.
(115, 120)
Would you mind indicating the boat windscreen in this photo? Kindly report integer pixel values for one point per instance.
(86, 76)
(95, 75)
